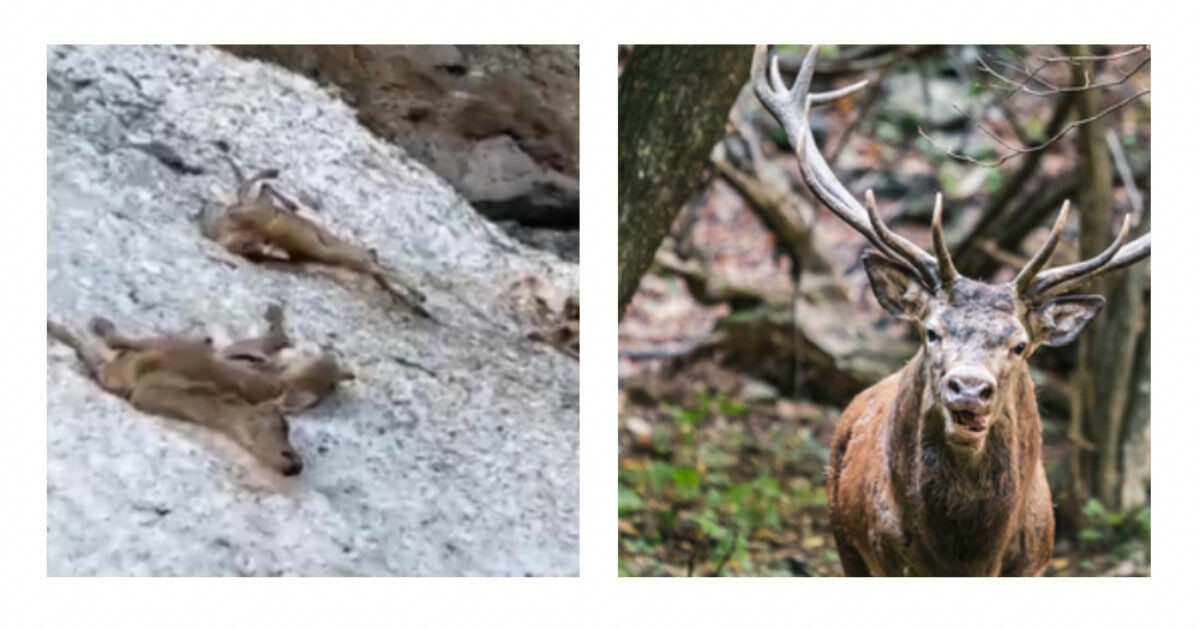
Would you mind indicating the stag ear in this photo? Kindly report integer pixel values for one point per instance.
(897, 287)
(1059, 321)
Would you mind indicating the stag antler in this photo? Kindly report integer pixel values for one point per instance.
(1036, 285)
(791, 106)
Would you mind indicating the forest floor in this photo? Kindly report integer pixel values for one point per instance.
(715, 484)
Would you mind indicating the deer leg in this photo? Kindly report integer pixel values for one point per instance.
(288, 203)
(91, 356)
(259, 352)
(405, 293)
(852, 562)
(327, 249)
(310, 380)
(107, 332)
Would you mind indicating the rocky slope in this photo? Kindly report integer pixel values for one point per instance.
(454, 453)
(500, 123)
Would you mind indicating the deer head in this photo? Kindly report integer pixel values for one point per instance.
(975, 335)
(262, 429)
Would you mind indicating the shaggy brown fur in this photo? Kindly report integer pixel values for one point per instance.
(902, 503)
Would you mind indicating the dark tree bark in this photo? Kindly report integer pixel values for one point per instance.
(1135, 440)
(1106, 378)
(673, 104)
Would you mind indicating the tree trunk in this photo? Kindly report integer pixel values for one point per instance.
(1135, 449)
(1106, 379)
(673, 104)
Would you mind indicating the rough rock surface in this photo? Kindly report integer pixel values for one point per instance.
(454, 453)
(500, 123)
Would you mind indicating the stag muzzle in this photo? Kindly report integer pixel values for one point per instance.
(968, 393)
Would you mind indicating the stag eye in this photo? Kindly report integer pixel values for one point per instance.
(1020, 348)
(932, 336)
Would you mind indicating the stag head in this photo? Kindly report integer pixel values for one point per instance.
(976, 336)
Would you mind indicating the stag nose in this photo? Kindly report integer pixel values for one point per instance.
(968, 388)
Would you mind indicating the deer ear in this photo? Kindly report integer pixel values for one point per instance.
(1059, 321)
(897, 288)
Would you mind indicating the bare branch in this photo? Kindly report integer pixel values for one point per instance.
(1036, 148)
(1052, 88)
(1126, 173)
(1108, 57)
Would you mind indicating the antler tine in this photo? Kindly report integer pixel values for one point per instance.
(1130, 253)
(902, 247)
(945, 264)
(790, 107)
(777, 98)
(1029, 273)
(777, 83)
(1061, 279)
(828, 97)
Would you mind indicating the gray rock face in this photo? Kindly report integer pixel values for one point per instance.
(455, 452)
(500, 123)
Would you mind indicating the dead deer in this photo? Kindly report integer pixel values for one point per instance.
(307, 379)
(253, 225)
(937, 469)
(189, 380)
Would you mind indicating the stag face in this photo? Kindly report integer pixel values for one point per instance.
(976, 339)
(264, 432)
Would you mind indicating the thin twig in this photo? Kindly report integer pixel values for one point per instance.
(1055, 89)
(1034, 149)
(980, 126)
(999, 255)
(1126, 173)
(1013, 121)
(1110, 56)
(1030, 76)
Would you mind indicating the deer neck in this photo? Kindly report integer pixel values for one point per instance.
(966, 503)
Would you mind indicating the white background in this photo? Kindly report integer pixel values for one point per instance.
(597, 599)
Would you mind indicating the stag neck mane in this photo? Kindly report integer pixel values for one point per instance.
(960, 498)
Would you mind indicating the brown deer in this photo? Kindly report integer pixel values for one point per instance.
(307, 378)
(937, 469)
(252, 225)
(229, 391)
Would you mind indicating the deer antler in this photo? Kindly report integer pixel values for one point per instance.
(901, 246)
(1028, 275)
(1038, 285)
(791, 106)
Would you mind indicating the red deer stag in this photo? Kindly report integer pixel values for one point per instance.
(937, 469)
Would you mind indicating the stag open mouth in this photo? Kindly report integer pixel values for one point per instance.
(966, 426)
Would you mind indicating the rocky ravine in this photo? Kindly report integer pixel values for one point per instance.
(454, 453)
